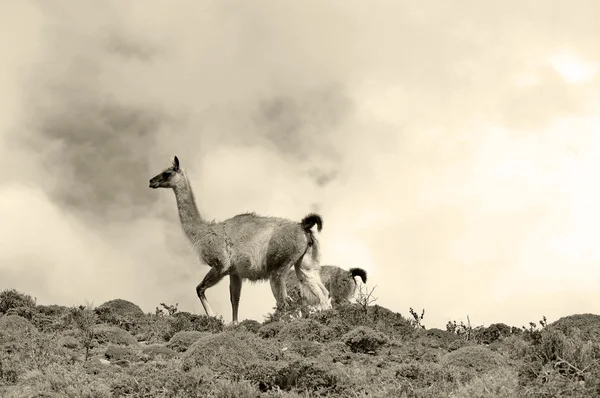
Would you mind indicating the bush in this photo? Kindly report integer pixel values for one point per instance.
(423, 374)
(15, 325)
(512, 347)
(438, 338)
(120, 307)
(154, 328)
(59, 381)
(250, 325)
(270, 330)
(200, 323)
(122, 313)
(120, 353)
(22, 350)
(69, 342)
(348, 316)
(229, 352)
(303, 375)
(306, 348)
(494, 332)
(157, 350)
(570, 356)
(309, 375)
(337, 351)
(500, 383)
(305, 329)
(104, 334)
(157, 380)
(551, 383)
(50, 318)
(442, 335)
(11, 298)
(364, 339)
(586, 325)
(181, 341)
(476, 358)
(160, 328)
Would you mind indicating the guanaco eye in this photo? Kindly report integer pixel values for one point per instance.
(166, 174)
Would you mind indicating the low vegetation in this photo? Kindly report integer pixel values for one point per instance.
(359, 350)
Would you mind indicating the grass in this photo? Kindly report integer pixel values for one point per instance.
(359, 350)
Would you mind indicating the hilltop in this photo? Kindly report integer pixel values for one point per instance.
(359, 350)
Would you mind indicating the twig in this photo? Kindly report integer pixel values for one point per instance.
(561, 361)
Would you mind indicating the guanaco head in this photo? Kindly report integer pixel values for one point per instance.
(169, 177)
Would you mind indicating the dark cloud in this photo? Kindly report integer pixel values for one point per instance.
(102, 146)
(298, 125)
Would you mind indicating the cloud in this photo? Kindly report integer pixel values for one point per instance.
(450, 149)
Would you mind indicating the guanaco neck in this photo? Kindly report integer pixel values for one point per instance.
(191, 220)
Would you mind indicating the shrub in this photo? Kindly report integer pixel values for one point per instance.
(15, 325)
(438, 338)
(270, 330)
(120, 307)
(232, 389)
(570, 356)
(159, 328)
(25, 312)
(499, 383)
(118, 312)
(442, 335)
(551, 383)
(250, 325)
(50, 317)
(364, 339)
(587, 325)
(59, 381)
(494, 332)
(476, 358)
(181, 341)
(69, 342)
(423, 374)
(157, 350)
(338, 352)
(54, 311)
(152, 379)
(200, 323)
(228, 352)
(512, 347)
(305, 329)
(11, 298)
(155, 328)
(376, 317)
(303, 375)
(306, 348)
(120, 352)
(23, 350)
(309, 375)
(104, 334)
(337, 328)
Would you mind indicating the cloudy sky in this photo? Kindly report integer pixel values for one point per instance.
(453, 150)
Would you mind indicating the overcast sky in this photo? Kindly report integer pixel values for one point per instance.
(452, 148)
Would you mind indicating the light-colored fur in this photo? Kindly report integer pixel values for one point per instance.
(340, 283)
(248, 246)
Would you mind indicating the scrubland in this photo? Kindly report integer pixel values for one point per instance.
(359, 350)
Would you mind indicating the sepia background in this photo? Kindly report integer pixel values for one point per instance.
(452, 148)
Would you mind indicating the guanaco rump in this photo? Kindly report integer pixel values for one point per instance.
(340, 283)
(248, 246)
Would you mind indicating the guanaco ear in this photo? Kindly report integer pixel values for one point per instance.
(176, 163)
